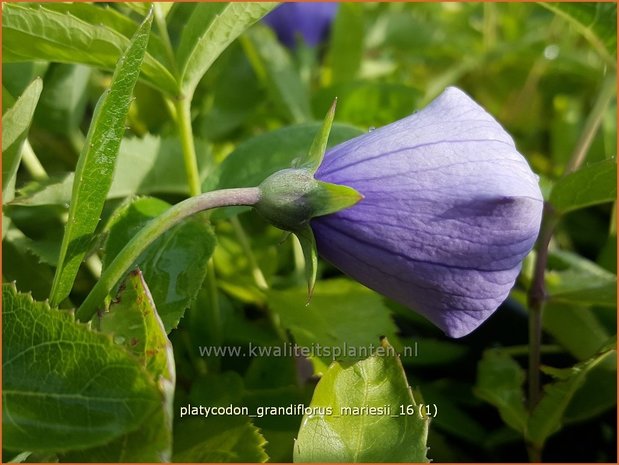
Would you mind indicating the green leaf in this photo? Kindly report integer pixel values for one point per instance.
(597, 394)
(499, 382)
(26, 269)
(316, 153)
(580, 282)
(209, 30)
(343, 436)
(346, 50)
(576, 328)
(64, 386)
(103, 15)
(273, 66)
(95, 166)
(53, 191)
(547, 416)
(343, 316)
(133, 323)
(218, 439)
(256, 159)
(34, 32)
(15, 124)
(229, 438)
(597, 22)
(64, 98)
(174, 266)
(236, 96)
(591, 185)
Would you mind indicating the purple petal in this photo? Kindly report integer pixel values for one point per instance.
(450, 211)
(310, 21)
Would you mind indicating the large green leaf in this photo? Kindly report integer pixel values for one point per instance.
(343, 317)
(210, 28)
(499, 382)
(15, 124)
(64, 386)
(596, 21)
(547, 416)
(34, 32)
(174, 265)
(95, 167)
(591, 185)
(338, 432)
(273, 65)
(580, 281)
(102, 14)
(133, 323)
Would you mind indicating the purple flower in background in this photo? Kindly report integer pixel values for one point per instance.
(450, 211)
(311, 21)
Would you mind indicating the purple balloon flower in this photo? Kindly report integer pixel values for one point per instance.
(450, 211)
(311, 21)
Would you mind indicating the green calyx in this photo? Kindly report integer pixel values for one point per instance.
(290, 198)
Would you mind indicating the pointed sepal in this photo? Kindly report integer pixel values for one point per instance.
(330, 198)
(314, 157)
(310, 253)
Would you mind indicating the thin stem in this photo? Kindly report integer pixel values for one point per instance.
(536, 297)
(592, 124)
(32, 163)
(185, 132)
(154, 229)
(253, 263)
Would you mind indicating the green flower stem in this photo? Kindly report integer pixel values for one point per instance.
(185, 132)
(154, 229)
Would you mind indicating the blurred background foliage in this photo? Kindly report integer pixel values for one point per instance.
(539, 69)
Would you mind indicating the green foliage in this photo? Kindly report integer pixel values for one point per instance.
(547, 416)
(210, 28)
(274, 67)
(597, 22)
(223, 439)
(342, 316)
(132, 321)
(15, 125)
(499, 382)
(65, 387)
(112, 390)
(594, 184)
(580, 281)
(377, 382)
(95, 167)
(174, 265)
(33, 32)
(346, 51)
